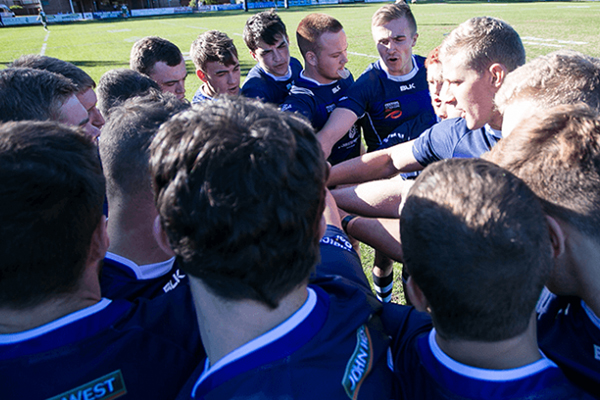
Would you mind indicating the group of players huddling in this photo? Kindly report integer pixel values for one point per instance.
(157, 249)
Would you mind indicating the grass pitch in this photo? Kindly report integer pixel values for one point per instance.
(98, 46)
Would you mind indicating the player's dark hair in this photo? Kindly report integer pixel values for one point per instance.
(476, 242)
(32, 94)
(310, 30)
(240, 190)
(557, 153)
(146, 52)
(118, 85)
(483, 41)
(50, 205)
(213, 46)
(125, 141)
(78, 76)
(265, 26)
(391, 12)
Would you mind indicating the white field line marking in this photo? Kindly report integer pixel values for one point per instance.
(43, 50)
(552, 40)
(573, 7)
(362, 55)
(118, 30)
(544, 44)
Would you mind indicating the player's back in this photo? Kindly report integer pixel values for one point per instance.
(112, 349)
(424, 371)
(569, 334)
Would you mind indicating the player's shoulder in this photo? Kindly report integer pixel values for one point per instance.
(296, 67)
(420, 60)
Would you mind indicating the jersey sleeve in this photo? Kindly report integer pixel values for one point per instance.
(254, 88)
(300, 103)
(437, 143)
(356, 98)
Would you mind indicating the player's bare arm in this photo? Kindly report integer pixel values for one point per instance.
(339, 122)
(379, 164)
(381, 198)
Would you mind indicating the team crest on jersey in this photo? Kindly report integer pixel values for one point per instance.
(107, 387)
(360, 363)
(393, 110)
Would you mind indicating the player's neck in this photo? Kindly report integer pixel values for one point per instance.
(496, 121)
(312, 73)
(14, 320)
(207, 91)
(227, 325)
(582, 253)
(130, 229)
(505, 354)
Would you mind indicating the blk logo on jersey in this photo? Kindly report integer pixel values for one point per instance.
(407, 87)
(360, 364)
(107, 387)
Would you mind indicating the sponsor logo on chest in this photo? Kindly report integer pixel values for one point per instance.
(360, 363)
(107, 387)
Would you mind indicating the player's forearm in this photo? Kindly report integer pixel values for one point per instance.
(338, 124)
(368, 167)
(380, 233)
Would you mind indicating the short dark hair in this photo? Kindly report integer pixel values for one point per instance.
(311, 28)
(213, 46)
(50, 205)
(476, 242)
(147, 51)
(118, 85)
(125, 141)
(265, 26)
(484, 41)
(32, 94)
(391, 12)
(557, 153)
(78, 76)
(240, 188)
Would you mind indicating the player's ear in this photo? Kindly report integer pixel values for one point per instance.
(414, 39)
(201, 75)
(557, 237)
(498, 74)
(161, 237)
(99, 242)
(253, 55)
(416, 296)
(311, 58)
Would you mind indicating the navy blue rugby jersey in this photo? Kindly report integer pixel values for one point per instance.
(113, 349)
(316, 101)
(390, 102)
(200, 97)
(121, 278)
(569, 334)
(452, 138)
(333, 347)
(268, 88)
(338, 257)
(424, 371)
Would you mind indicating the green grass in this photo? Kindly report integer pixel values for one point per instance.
(99, 46)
